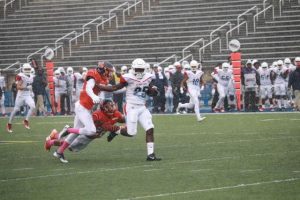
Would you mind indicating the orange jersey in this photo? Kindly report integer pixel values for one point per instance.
(105, 121)
(84, 99)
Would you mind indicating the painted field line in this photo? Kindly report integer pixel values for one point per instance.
(18, 142)
(268, 120)
(149, 170)
(250, 170)
(242, 185)
(23, 169)
(73, 173)
(60, 122)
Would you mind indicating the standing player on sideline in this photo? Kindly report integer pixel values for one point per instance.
(2, 99)
(138, 85)
(89, 96)
(193, 80)
(24, 86)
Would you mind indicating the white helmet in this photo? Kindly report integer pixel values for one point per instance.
(264, 65)
(177, 64)
(187, 67)
(26, 69)
(248, 62)
(70, 71)
(84, 70)
(225, 66)
(61, 70)
(279, 64)
(57, 73)
(32, 72)
(139, 68)
(297, 59)
(171, 69)
(287, 61)
(184, 63)
(274, 64)
(124, 69)
(194, 65)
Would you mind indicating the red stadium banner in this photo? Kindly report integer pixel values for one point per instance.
(236, 65)
(50, 67)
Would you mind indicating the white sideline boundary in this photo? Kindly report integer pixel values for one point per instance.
(215, 188)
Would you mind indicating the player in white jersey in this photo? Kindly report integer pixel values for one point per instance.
(265, 86)
(79, 80)
(169, 94)
(2, 86)
(193, 80)
(280, 74)
(138, 85)
(224, 79)
(24, 86)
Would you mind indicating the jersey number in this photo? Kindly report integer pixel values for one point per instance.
(141, 91)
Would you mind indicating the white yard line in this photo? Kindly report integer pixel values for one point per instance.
(23, 169)
(250, 170)
(268, 120)
(242, 185)
(149, 170)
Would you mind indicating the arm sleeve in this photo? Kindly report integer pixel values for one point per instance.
(89, 87)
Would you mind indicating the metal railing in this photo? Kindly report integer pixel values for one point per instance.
(281, 3)
(12, 65)
(62, 50)
(76, 40)
(236, 27)
(6, 4)
(116, 8)
(255, 17)
(194, 43)
(102, 24)
(61, 38)
(244, 13)
(184, 58)
(169, 58)
(209, 44)
(135, 9)
(92, 22)
(211, 34)
(36, 52)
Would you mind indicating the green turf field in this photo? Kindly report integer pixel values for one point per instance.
(253, 156)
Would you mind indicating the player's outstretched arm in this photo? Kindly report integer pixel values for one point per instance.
(111, 88)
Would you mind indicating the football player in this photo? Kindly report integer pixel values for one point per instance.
(138, 84)
(104, 120)
(24, 95)
(223, 77)
(280, 74)
(89, 96)
(266, 84)
(2, 99)
(193, 80)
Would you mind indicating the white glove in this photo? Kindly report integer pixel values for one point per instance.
(202, 87)
(181, 90)
(96, 99)
(28, 87)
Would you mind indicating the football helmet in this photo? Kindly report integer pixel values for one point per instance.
(279, 64)
(171, 69)
(84, 70)
(177, 64)
(225, 66)
(105, 69)
(194, 65)
(297, 59)
(138, 68)
(187, 67)
(32, 72)
(264, 65)
(108, 107)
(124, 69)
(26, 69)
(57, 73)
(287, 61)
(70, 71)
(249, 63)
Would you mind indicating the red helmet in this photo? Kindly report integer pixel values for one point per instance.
(105, 69)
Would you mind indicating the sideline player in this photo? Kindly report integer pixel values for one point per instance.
(2, 99)
(89, 96)
(24, 95)
(104, 120)
(138, 84)
(193, 80)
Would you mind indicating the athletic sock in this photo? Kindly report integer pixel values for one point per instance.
(150, 148)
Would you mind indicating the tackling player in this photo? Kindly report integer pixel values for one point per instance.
(104, 120)
(138, 84)
(89, 96)
(24, 95)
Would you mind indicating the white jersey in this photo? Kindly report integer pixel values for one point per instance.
(265, 77)
(223, 78)
(193, 81)
(26, 81)
(79, 81)
(136, 88)
(2, 82)
(279, 79)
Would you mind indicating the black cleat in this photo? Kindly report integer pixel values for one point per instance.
(60, 156)
(111, 136)
(152, 157)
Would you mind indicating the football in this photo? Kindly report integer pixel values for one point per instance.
(152, 91)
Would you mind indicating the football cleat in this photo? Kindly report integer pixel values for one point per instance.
(9, 128)
(152, 157)
(60, 156)
(216, 110)
(53, 135)
(111, 136)
(26, 124)
(47, 144)
(63, 132)
(201, 119)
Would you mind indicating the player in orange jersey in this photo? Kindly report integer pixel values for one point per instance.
(89, 96)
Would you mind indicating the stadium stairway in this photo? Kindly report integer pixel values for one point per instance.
(164, 30)
(273, 40)
(41, 22)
